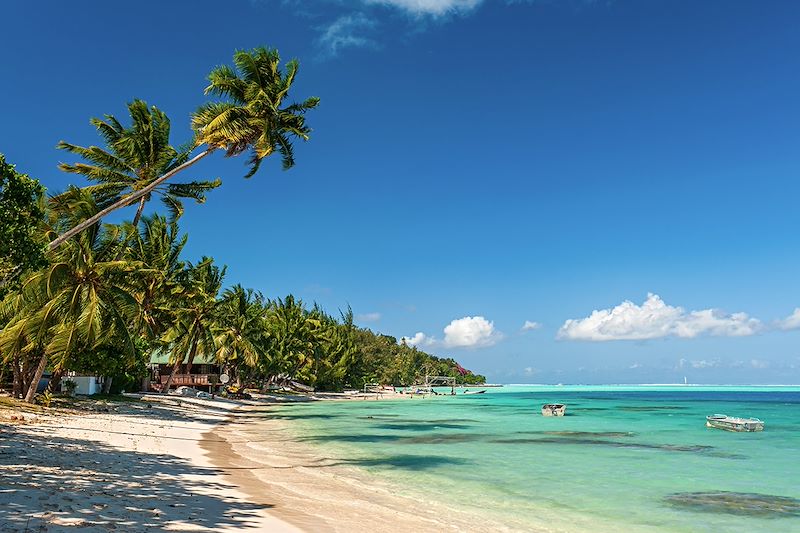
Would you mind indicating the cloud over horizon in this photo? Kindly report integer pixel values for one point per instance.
(419, 339)
(470, 332)
(465, 332)
(530, 325)
(790, 322)
(655, 319)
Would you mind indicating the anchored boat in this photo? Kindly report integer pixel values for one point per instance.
(554, 409)
(732, 423)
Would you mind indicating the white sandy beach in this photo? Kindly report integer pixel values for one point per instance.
(200, 466)
(137, 469)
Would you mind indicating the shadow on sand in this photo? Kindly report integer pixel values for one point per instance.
(85, 485)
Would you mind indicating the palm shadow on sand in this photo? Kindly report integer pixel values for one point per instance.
(49, 481)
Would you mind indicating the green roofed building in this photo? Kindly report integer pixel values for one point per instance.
(203, 373)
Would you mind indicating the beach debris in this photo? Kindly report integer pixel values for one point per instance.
(736, 503)
(191, 392)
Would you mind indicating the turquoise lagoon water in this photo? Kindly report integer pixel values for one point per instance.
(624, 459)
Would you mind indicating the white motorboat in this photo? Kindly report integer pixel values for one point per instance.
(733, 423)
(554, 409)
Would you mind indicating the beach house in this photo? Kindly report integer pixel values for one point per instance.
(203, 373)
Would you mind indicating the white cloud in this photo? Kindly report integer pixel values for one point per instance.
(655, 319)
(419, 339)
(530, 325)
(529, 371)
(706, 363)
(470, 332)
(368, 317)
(792, 321)
(430, 7)
(347, 31)
(759, 363)
(466, 332)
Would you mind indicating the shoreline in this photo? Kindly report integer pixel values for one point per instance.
(316, 492)
(189, 464)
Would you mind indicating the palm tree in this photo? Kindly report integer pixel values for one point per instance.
(134, 157)
(249, 117)
(293, 338)
(80, 301)
(241, 329)
(196, 319)
(157, 246)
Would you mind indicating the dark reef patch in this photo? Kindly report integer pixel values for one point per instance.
(646, 408)
(696, 448)
(424, 426)
(406, 462)
(441, 438)
(581, 434)
(736, 503)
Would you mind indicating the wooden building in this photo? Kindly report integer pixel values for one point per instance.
(203, 375)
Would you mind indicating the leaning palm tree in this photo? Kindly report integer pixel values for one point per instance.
(250, 116)
(134, 157)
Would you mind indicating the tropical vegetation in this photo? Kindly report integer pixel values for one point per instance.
(21, 209)
(101, 298)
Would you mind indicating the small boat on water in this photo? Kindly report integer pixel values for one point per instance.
(732, 423)
(554, 409)
(474, 391)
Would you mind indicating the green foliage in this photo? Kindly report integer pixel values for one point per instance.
(78, 302)
(133, 158)
(21, 242)
(70, 386)
(44, 399)
(101, 302)
(250, 115)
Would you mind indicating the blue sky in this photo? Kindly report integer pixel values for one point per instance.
(476, 165)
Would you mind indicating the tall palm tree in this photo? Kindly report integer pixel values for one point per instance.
(77, 303)
(241, 329)
(293, 338)
(249, 116)
(157, 246)
(196, 318)
(134, 157)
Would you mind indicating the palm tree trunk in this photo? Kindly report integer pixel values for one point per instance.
(177, 365)
(36, 377)
(17, 376)
(55, 380)
(128, 200)
(107, 384)
(136, 218)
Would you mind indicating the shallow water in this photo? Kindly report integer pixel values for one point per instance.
(625, 458)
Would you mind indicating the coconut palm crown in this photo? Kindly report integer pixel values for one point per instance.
(250, 115)
(133, 158)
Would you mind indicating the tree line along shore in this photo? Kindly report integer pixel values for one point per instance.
(80, 296)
